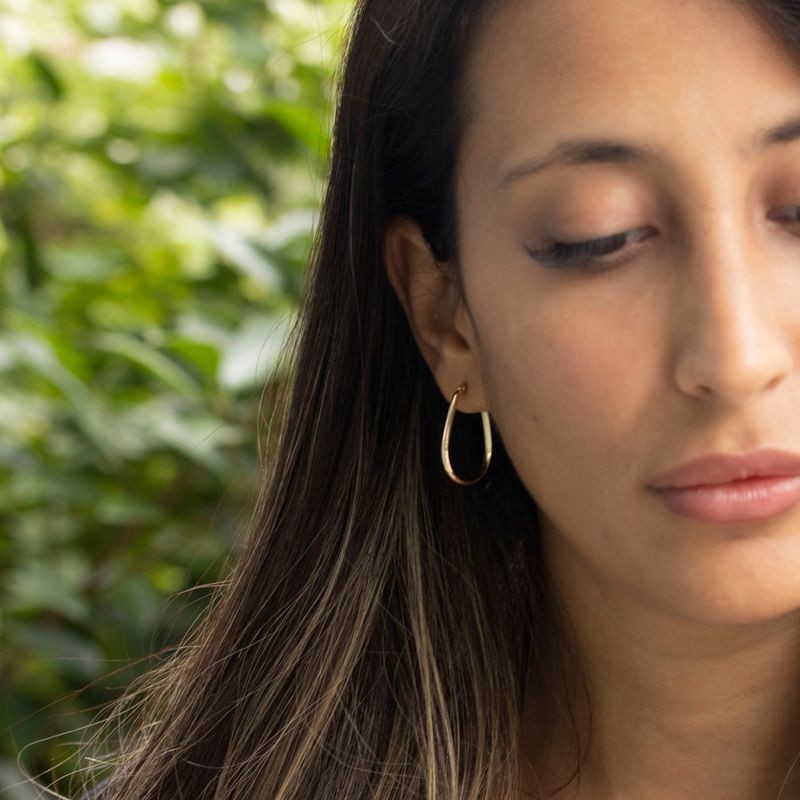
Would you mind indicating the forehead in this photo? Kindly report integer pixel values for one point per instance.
(674, 72)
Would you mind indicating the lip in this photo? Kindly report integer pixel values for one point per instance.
(733, 488)
(722, 468)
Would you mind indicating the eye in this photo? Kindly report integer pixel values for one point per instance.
(788, 213)
(563, 255)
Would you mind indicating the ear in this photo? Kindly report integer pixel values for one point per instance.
(436, 311)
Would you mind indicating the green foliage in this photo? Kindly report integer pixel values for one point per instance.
(160, 167)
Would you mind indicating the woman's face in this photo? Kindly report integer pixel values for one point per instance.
(685, 341)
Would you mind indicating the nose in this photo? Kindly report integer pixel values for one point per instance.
(734, 340)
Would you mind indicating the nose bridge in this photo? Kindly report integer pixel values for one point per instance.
(733, 345)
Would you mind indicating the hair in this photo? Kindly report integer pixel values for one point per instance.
(378, 632)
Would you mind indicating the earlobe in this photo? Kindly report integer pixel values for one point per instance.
(432, 301)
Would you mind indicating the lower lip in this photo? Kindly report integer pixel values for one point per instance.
(740, 501)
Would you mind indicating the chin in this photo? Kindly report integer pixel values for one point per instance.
(743, 582)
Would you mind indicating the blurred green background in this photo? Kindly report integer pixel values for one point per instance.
(160, 168)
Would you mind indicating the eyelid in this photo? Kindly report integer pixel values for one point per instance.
(779, 215)
(627, 235)
(563, 254)
(566, 254)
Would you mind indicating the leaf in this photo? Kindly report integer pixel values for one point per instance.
(253, 352)
(246, 257)
(13, 786)
(53, 586)
(71, 654)
(150, 359)
(38, 355)
(47, 74)
(199, 436)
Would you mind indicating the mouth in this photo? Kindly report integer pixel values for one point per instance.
(745, 500)
(719, 468)
(725, 487)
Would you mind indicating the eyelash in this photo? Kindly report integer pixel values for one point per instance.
(571, 255)
(594, 252)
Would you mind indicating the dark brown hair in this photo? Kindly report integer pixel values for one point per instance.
(376, 636)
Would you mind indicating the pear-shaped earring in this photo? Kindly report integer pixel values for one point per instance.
(448, 427)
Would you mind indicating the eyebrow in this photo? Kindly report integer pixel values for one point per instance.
(581, 151)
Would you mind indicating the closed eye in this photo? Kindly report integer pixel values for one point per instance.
(596, 252)
(793, 215)
(563, 255)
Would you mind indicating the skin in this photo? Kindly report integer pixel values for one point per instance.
(598, 382)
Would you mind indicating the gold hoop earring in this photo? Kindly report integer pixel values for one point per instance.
(448, 428)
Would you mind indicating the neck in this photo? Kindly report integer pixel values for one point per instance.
(659, 703)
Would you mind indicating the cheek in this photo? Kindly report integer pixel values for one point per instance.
(570, 398)
(574, 397)
(557, 394)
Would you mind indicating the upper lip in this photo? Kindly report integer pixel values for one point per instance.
(724, 468)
